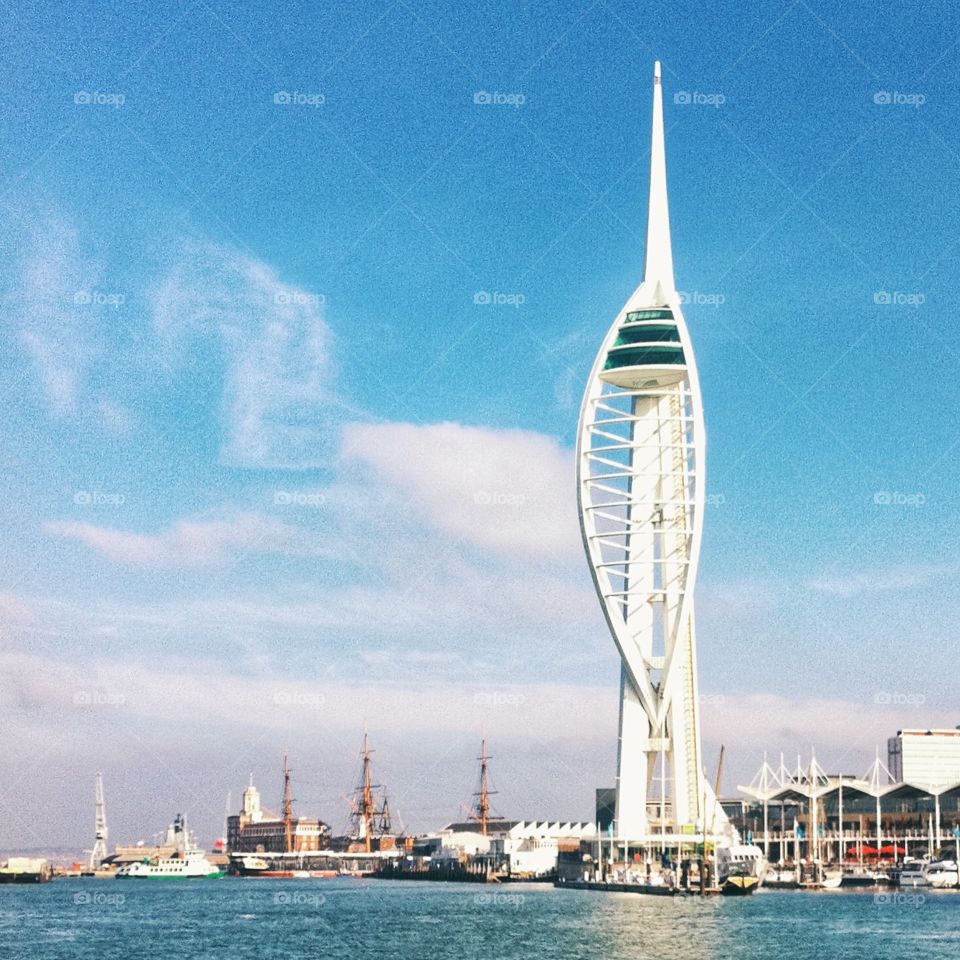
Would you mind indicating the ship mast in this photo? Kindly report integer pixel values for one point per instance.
(366, 802)
(481, 810)
(287, 806)
(367, 814)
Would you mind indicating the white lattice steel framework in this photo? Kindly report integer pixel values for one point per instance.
(640, 480)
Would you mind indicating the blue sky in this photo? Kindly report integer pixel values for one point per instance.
(272, 467)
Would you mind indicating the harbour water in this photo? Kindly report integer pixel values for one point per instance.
(265, 919)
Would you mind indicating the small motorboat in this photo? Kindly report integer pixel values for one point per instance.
(739, 885)
(738, 880)
(781, 878)
(831, 880)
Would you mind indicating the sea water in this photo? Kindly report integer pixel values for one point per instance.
(345, 918)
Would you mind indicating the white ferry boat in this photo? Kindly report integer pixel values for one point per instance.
(189, 865)
(187, 862)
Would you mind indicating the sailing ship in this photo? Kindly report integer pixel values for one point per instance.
(370, 822)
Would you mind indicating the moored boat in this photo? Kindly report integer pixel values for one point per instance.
(25, 870)
(831, 880)
(911, 876)
(249, 865)
(865, 878)
(739, 886)
(942, 874)
(782, 878)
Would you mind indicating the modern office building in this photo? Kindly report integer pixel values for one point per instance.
(929, 757)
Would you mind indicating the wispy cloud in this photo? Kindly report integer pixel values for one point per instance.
(890, 580)
(42, 297)
(188, 543)
(279, 405)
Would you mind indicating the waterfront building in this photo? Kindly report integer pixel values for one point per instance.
(641, 495)
(531, 847)
(255, 830)
(806, 812)
(520, 847)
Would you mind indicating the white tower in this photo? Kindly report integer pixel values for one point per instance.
(640, 483)
(99, 852)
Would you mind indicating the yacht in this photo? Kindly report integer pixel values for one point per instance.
(942, 873)
(912, 875)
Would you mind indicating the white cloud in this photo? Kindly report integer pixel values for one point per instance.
(278, 402)
(844, 732)
(511, 491)
(188, 543)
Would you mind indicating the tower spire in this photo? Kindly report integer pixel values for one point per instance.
(658, 265)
